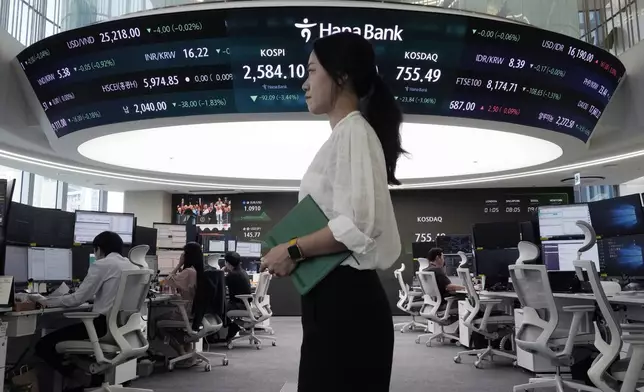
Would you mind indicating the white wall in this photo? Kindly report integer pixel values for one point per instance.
(629, 189)
(149, 206)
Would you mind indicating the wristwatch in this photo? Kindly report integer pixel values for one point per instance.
(294, 251)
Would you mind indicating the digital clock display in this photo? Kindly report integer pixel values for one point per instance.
(253, 60)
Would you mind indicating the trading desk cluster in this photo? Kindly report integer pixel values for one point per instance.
(46, 250)
(538, 292)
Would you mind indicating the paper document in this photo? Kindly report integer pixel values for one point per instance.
(61, 290)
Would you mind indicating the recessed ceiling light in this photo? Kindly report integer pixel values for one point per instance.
(282, 150)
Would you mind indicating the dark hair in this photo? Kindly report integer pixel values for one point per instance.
(434, 253)
(193, 257)
(233, 258)
(348, 57)
(108, 242)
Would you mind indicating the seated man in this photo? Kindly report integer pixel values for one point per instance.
(437, 266)
(101, 284)
(238, 283)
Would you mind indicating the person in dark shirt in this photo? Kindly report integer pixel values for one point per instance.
(238, 283)
(437, 266)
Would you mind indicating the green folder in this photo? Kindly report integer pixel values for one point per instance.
(305, 218)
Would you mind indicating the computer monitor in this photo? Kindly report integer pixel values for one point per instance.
(146, 236)
(170, 236)
(20, 224)
(455, 243)
(81, 260)
(216, 246)
(49, 264)
(89, 224)
(53, 228)
(16, 263)
(617, 216)
(495, 262)
(496, 235)
(249, 249)
(421, 249)
(167, 260)
(622, 255)
(559, 222)
(559, 255)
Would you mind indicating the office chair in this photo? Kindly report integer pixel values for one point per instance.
(124, 341)
(477, 323)
(258, 309)
(137, 255)
(210, 324)
(464, 261)
(408, 303)
(528, 252)
(540, 319)
(423, 264)
(207, 311)
(431, 308)
(607, 374)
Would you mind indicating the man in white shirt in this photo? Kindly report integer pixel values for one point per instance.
(101, 284)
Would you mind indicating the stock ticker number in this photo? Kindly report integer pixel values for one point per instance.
(268, 71)
(415, 74)
(426, 237)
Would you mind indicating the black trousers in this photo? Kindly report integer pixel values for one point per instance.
(334, 356)
(46, 347)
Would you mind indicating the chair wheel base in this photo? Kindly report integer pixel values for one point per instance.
(457, 359)
(274, 343)
(417, 340)
(478, 365)
(207, 368)
(230, 346)
(224, 362)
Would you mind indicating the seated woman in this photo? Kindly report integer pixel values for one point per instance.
(184, 279)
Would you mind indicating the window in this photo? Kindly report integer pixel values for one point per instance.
(45, 192)
(115, 202)
(8, 173)
(81, 198)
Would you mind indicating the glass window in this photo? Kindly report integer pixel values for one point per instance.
(45, 192)
(81, 198)
(13, 174)
(115, 202)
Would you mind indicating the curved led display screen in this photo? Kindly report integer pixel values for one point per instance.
(254, 60)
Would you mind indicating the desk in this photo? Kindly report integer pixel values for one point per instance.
(633, 309)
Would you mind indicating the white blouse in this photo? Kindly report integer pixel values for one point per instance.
(348, 180)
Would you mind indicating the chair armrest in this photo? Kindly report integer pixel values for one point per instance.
(638, 328)
(490, 301)
(579, 308)
(633, 339)
(81, 315)
(178, 302)
(242, 296)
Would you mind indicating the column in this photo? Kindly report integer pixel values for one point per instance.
(149, 206)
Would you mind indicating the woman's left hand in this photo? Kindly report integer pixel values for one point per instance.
(277, 261)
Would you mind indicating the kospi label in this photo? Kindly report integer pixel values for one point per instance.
(368, 31)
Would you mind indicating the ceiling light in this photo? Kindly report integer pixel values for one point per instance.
(193, 184)
(283, 150)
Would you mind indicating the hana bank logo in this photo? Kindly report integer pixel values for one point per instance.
(369, 31)
(305, 28)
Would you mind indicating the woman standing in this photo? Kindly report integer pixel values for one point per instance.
(348, 179)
